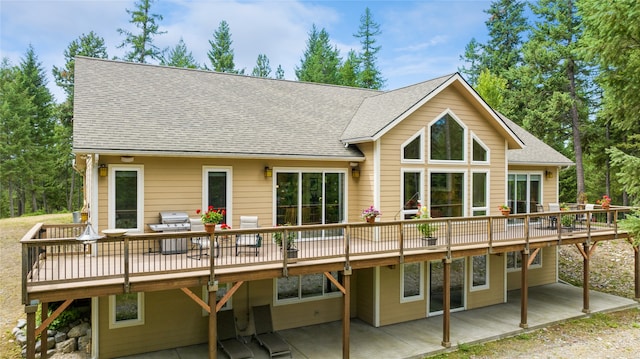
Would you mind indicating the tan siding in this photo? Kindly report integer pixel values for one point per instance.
(364, 295)
(495, 293)
(537, 276)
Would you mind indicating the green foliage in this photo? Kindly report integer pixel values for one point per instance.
(262, 68)
(290, 238)
(320, 61)
(631, 224)
(179, 56)
(628, 172)
(279, 73)
(491, 88)
(369, 75)
(142, 46)
(221, 53)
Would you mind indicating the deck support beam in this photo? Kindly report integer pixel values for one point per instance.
(585, 278)
(524, 288)
(213, 317)
(346, 312)
(31, 330)
(44, 312)
(446, 305)
(636, 255)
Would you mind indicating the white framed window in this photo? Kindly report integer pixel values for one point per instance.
(479, 151)
(447, 193)
(411, 282)
(126, 310)
(514, 261)
(479, 193)
(412, 150)
(126, 197)
(222, 290)
(217, 190)
(479, 272)
(447, 139)
(411, 187)
(308, 287)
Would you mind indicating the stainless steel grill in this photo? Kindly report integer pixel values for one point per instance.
(172, 222)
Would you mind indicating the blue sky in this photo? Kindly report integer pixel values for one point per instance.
(420, 39)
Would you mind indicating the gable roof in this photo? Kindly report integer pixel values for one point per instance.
(130, 108)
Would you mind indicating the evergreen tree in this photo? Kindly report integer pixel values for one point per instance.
(142, 47)
(262, 68)
(369, 75)
(279, 73)
(349, 70)
(491, 88)
(221, 53)
(179, 56)
(320, 61)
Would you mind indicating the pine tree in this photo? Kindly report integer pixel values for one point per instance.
(142, 47)
(349, 71)
(179, 56)
(320, 61)
(262, 68)
(369, 75)
(221, 53)
(279, 73)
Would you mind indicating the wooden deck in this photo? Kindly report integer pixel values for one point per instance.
(56, 266)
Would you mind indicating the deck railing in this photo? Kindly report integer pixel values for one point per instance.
(51, 253)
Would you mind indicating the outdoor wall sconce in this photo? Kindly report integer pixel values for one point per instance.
(548, 174)
(268, 172)
(355, 169)
(126, 159)
(102, 170)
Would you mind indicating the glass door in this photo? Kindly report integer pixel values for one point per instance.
(436, 286)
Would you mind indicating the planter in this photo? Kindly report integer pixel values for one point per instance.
(431, 241)
(505, 212)
(371, 220)
(210, 227)
(292, 253)
(606, 206)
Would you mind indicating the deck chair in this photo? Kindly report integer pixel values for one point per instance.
(553, 220)
(201, 244)
(252, 241)
(265, 335)
(586, 217)
(228, 338)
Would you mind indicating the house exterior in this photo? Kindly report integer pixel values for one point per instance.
(150, 139)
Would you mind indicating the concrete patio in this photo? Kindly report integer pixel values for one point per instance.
(548, 304)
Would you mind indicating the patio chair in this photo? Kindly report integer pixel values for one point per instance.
(228, 338)
(586, 217)
(251, 242)
(553, 220)
(265, 335)
(201, 244)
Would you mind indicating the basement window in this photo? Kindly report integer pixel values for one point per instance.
(126, 310)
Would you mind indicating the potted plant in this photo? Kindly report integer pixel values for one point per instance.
(370, 214)
(289, 242)
(504, 209)
(210, 218)
(427, 229)
(604, 202)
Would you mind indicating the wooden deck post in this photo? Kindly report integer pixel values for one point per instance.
(346, 313)
(31, 330)
(585, 278)
(213, 318)
(446, 308)
(636, 254)
(524, 288)
(44, 312)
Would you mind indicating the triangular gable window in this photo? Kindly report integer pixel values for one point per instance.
(480, 152)
(413, 148)
(447, 139)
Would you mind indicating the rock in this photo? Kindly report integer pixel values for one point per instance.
(15, 331)
(79, 330)
(51, 343)
(51, 333)
(60, 336)
(67, 346)
(21, 338)
(84, 344)
(21, 323)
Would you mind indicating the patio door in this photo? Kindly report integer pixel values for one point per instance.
(524, 192)
(436, 286)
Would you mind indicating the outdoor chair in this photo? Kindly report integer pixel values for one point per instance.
(586, 217)
(553, 220)
(201, 244)
(264, 333)
(249, 242)
(228, 338)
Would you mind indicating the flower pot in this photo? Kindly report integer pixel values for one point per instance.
(292, 253)
(606, 206)
(431, 241)
(371, 220)
(210, 227)
(505, 212)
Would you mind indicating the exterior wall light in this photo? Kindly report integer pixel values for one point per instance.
(268, 172)
(102, 170)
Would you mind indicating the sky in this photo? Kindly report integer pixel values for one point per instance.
(420, 40)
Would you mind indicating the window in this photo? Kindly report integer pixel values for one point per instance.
(479, 272)
(411, 192)
(479, 196)
(447, 194)
(309, 197)
(514, 261)
(524, 192)
(447, 139)
(126, 197)
(412, 282)
(126, 310)
(306, 287)
(412, 149)
(217, 190)
(480, 152)
(222, 290)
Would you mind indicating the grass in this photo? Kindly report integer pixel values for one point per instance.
(11, 308)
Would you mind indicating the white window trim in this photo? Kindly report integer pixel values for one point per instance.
(111, 206)
(323, 296)
(477, 139)
(205, 188)
(421, 134)
(486, 193)
(420, 189)
(528, 174)
(472, 287)
(465, 188)
(113, 324)
(465, 136)
(205, 298)
(412, 298)
(518, 269)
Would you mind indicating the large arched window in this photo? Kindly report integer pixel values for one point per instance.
(447, 139)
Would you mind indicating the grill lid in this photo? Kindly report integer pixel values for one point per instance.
(173, 217)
